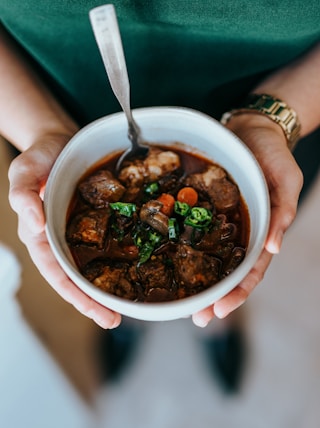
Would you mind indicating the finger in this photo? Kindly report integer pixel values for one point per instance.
(24, 196)
(203, 317)
(239, 295)
(285, 181)
(284, 201)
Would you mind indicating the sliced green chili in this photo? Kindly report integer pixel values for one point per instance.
(182, 208)
(199, 218)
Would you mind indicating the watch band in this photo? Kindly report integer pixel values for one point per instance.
(275, 109)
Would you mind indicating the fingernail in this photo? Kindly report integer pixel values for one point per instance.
(115, 324)
(273, 246)
(200, 322)
(219, 313)
(109, 323)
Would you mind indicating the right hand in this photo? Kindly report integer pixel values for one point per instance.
(284, 178)
(28, 174)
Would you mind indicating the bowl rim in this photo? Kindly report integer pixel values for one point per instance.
(156, 311)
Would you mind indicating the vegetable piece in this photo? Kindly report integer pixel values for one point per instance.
(173, 229)
(151, 189)
(167, 201)
(150, 214)
(124, 208)
(131, 250)
(148, 247)
(146, 241)
(200, 218)
(188, 195)
(182, 208)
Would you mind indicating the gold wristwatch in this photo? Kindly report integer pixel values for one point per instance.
(276, 110)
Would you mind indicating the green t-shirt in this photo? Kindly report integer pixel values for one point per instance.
(201, 54)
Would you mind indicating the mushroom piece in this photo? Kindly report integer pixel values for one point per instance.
(150, 213)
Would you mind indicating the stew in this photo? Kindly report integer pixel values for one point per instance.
(164, 228)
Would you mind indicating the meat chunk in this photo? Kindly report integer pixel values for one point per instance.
(155, 274)
(234, 261)
(195, 269)
(89, 228)
(150, 213)
(215, 183)
(157, 164)
(221, 233)
(113, 278)
(101, 188)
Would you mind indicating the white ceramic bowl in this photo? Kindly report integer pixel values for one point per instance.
(164, 125)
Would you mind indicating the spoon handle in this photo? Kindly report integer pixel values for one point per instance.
(106, 31)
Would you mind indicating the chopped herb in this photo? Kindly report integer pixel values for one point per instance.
(173, 229)
(151, 189)
(199, 218)
(124, 208)
(145, 252)
(146, 240)
(118, 231)
(182, 208)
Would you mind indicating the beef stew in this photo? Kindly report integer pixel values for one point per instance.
(164, 228)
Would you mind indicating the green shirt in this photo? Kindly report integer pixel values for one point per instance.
(201, 54)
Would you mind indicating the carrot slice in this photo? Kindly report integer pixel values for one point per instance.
(188, 195)
(167, 201)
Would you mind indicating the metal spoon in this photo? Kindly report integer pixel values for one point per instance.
(106, 31)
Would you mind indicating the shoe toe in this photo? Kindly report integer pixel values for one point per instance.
(226, 355)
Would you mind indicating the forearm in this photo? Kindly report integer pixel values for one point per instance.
(298, 84)
(28, 110)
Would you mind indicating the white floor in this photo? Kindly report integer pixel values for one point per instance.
(169, 387)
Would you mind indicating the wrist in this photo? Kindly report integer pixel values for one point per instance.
(275, 110)
(255, 130)
(247, 122)
(58, 138)
(57, 133)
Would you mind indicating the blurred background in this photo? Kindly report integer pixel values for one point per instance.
(49, 366)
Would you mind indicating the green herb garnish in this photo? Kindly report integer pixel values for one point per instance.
(124, 208)
(151, 189)
(147, 240)
(173, 229)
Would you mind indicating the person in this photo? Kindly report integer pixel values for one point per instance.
(207, 55)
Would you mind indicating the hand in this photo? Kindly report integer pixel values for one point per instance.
(28, 174)
(284, 179)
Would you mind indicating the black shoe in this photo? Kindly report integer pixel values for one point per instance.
(226, 355)
(116, 351)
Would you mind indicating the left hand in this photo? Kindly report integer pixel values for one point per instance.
(28, 174)
(284, 179)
